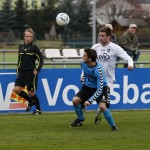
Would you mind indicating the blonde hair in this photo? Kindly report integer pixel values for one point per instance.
(28, 30)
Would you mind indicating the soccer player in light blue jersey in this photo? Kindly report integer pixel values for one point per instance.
(94, 88)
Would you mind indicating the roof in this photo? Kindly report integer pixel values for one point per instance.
(125, 22)
(100, 3)
(145, 1)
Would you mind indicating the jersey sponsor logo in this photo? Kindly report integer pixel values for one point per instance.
(104, 57)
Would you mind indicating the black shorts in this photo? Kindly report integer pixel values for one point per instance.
(85, 93)
(27, 79)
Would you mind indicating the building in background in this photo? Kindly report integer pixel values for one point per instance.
(30, 3)
(146, 6)
(108, 11)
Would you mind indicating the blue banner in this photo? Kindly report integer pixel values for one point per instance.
(56, 88)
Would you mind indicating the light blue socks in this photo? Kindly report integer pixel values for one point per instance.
(78, 110)
(109, 118)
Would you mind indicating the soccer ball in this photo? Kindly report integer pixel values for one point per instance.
(62, 19)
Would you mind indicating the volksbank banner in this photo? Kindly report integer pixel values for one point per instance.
(56, 88)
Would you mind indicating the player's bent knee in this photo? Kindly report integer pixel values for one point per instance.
(76, 101)
(103, 106)
(17, 90)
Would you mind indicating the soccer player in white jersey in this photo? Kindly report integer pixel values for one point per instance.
(107, 52)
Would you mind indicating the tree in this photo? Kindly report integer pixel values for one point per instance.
(68, 7)
(83, 18)
(7, 17)
(35, 21)
(80, 14)
(48, 15)
(20, 11)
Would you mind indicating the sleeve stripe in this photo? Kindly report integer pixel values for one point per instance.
(99, 91)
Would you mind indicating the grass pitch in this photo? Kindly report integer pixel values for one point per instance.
(51, 131)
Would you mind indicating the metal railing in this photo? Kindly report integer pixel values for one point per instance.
(72, 63)
(4, 63)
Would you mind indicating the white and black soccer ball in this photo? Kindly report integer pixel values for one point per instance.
(62, 19)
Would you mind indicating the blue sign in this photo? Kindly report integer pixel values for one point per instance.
(57, 87)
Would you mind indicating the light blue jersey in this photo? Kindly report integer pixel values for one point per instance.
(94, 78)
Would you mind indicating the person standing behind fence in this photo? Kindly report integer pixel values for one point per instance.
(113, 38)
(129, 42)
(27, 70)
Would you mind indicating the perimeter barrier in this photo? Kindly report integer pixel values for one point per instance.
(56, 88)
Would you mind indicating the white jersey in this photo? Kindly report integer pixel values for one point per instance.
(107, 55)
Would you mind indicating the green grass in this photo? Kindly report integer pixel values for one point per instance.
(51, 131)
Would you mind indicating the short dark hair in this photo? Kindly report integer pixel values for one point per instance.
(107, 30)
(91, 53)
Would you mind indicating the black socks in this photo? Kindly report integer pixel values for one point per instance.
(25, 96)
(36, 100)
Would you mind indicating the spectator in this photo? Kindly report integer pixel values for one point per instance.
(129, 42)
(113, 36)
(113, 39)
